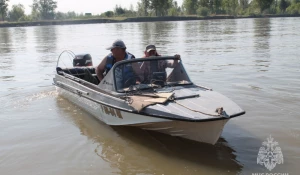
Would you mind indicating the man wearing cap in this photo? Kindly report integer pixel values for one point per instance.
(160, 66)
(118, 53)
(151, 51)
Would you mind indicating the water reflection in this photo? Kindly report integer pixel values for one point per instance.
(20, 34)
(262, 28)
(146, 33)
(203, 30)
(6, 78)
(118, 26)
(157, 32)
(46, 40)
(163, 29)
(194, 29)
(229, 27)
(134, 151)
(5, 40)
(208, 36)
(6, 60)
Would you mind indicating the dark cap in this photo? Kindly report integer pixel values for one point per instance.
(150, 47)
(117, 43)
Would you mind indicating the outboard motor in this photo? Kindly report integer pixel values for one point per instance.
(82, 60)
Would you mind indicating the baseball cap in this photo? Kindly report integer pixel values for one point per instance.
(117, 43)
(150, 47)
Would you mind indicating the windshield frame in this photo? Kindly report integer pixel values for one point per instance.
(123, 62)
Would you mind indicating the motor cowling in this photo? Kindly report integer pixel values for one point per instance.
(82, 60)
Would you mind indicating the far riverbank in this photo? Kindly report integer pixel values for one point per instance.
(123, 20)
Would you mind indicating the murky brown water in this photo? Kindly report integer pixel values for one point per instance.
(255, 62)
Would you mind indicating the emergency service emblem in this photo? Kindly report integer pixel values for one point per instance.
(270, 154)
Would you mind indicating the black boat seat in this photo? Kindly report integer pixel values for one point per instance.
(85, 73)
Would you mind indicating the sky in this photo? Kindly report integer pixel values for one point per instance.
(83, 6)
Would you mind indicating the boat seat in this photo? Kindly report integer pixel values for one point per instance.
(89, 77)
(85, 73)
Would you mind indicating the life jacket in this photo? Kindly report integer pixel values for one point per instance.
(128, 76)
(111, 60)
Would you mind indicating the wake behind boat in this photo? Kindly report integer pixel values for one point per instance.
(144, 93)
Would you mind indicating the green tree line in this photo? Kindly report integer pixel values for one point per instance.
(46, 9)
(241, 7)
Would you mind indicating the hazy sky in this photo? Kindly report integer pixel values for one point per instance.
(83, 6)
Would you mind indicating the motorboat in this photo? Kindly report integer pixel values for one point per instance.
(152, 93)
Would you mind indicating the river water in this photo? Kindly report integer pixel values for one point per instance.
(255, 62)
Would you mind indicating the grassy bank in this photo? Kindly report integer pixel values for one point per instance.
(137, 19)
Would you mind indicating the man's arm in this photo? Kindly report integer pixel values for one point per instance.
(173, 64)
(100, 69)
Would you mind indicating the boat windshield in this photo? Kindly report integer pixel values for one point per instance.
(147, 73)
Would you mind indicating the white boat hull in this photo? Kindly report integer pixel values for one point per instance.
(206, 132)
